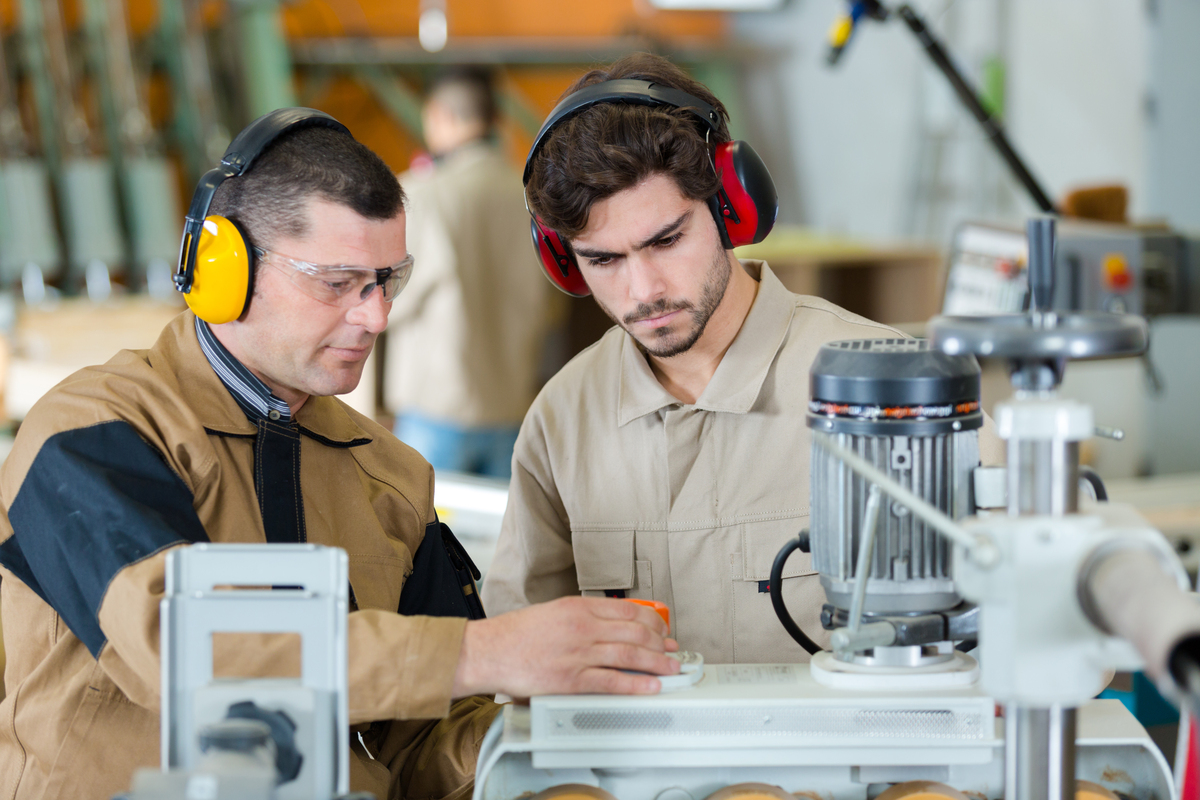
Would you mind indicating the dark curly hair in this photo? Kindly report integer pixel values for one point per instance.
(610, 147)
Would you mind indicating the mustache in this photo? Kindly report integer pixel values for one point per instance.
(656, 309)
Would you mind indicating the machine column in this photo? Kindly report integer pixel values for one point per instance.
(1039, 752)
(1040, 742)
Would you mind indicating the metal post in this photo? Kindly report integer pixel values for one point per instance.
(401, 102)
(1039, 759)
(202, 136)
(1043, 477)
(265, 58)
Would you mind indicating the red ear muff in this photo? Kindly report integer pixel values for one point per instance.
(557, 260)
(747, 203)
(744, 207)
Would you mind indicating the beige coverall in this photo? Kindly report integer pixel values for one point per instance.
(619, 486)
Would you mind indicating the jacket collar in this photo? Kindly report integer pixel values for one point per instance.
(254, 396)
(178, 350)
(736, 384)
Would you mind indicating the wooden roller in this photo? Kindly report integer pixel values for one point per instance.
(573, 791)
(922, 790)
(1086, 790)
(751, 791)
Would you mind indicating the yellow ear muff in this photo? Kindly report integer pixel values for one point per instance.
(221, 282)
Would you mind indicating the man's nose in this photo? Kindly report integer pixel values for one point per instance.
(646, 283)
(371, 313)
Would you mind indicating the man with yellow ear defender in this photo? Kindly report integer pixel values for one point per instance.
(227, 430)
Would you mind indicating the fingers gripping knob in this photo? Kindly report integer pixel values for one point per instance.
(691, 670)
(658, 607)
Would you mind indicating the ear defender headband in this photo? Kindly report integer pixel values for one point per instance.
(744, 206)
(216, 259)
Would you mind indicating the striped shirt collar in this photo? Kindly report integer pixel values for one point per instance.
(254, 396)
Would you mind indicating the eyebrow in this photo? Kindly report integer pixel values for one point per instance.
(661, 233)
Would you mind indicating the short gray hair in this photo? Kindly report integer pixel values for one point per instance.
(271, 198)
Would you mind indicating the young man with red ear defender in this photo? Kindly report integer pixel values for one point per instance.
(669, 461)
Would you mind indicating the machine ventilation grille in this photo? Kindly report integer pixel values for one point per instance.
(621, 720)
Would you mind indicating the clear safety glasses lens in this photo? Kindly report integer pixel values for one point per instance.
(342, 286)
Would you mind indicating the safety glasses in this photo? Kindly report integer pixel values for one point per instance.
(340, 285)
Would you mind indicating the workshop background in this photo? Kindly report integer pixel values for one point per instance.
(111, 109)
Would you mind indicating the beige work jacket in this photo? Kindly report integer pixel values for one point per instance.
(76, 726)
(619, 486)
(465, 336)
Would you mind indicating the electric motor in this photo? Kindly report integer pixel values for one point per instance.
(914, 413)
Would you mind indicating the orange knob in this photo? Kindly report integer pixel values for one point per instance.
(661, 608)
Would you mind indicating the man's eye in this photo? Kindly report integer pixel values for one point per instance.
(341, 287)
(669, 240)
(600, 262)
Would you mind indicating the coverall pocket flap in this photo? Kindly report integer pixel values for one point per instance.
(762, 541)
(604, 559)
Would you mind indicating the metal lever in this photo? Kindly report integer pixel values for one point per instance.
(1040, 233)
(866, 550)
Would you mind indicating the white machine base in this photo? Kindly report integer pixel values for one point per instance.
(961, 672)
(773, 723)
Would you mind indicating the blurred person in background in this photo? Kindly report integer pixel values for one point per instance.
(465, 340)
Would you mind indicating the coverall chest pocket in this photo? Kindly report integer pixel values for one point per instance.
(758, 636)
(606, 565)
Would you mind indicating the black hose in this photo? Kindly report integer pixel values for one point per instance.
(776, 589)
(1183, 663)
(992, 127)
(1091, 476)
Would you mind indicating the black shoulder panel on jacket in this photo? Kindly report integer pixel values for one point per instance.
(442, 583)
(94, 501)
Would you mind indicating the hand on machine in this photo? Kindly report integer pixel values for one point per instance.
(573, 645)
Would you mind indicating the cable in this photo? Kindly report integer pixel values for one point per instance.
(775, 587)
(1184, 667)
(1091, 476)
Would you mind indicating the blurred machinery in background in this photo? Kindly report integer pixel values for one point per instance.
(1149, 270)
(90, 171)
(89, 195)
(84, 178)
(28, 237)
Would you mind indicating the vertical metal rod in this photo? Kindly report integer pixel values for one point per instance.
(1062, 753)
(1012, 746)
(866, 548)
(1039, 758)
(266, 62)
(1043, 477)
